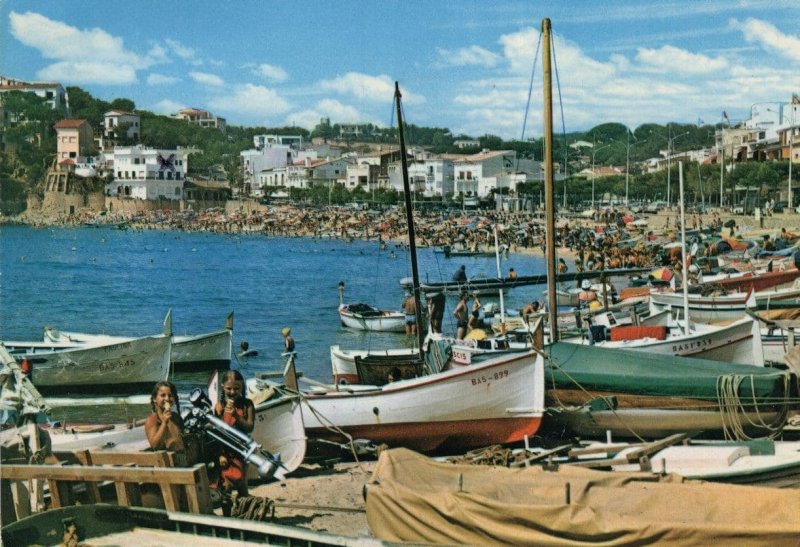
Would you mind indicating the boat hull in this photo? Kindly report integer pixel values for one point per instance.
(386, 321)
(496, 401)
(739, 343)
(128, 365)
(710, 309)
(189, 353)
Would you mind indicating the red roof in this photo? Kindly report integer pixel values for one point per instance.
(66, 162)
(69, 124)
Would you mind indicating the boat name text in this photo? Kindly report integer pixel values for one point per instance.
(483, 379)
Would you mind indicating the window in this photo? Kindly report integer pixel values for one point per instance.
(73, 155)
(177, 190)
(119, 174)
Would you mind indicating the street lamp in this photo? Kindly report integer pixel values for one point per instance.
(594, 150)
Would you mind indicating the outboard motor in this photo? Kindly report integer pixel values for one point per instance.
(200, 418)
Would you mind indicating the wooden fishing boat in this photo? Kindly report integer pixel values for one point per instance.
(499, 400)
(762, 462)
(365, 317)
(594, 389)
(128, 366)
(415, 499)
(738, 342)
(208, 351)
(711, 309)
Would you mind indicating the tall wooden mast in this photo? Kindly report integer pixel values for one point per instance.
(549, 188)
(409, 220)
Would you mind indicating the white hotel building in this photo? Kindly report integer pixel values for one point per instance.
(139, 173)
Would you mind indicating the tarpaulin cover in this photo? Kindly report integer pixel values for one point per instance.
(413, 498)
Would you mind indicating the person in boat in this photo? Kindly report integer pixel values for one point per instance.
(461, 274)
(436, 302)
(587, 295)
(410, 309)
(238, 412)
(394, 375)
(462, 316)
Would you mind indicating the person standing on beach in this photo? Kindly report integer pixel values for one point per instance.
(462, 315)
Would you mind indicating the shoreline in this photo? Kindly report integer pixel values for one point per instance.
(435, 229)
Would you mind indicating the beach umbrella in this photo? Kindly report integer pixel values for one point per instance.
(662, 274)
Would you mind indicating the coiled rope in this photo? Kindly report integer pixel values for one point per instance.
(253, 508)
(735, 416)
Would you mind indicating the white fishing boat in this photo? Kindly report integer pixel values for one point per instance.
(763, 462)
(711, 309)
(365, 317)
(208, 351)
(500, 400)
(129, 365)
(737, 342)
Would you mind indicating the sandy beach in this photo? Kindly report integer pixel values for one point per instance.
(322, 498)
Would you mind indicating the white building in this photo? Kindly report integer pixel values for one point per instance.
(52, 92)
(262, 141)
(269, 158)
(477, 174)
(113, 119)
(435, 175)
(147, 173)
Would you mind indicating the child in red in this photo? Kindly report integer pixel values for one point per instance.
(238, 412)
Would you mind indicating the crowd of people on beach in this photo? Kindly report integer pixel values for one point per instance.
(470, 230)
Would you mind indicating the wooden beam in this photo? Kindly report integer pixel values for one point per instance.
(183, 475)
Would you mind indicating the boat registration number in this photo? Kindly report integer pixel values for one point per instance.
(106, 366)
(499, 375)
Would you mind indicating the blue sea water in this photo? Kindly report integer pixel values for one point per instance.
(124, 281)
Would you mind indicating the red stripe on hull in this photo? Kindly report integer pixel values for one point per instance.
(431, 436)
(346, 379)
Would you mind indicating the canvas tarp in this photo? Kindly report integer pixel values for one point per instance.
(416, 499)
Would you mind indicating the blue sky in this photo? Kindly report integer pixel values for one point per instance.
(464, 65)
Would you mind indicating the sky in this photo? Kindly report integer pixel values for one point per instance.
(462, 64)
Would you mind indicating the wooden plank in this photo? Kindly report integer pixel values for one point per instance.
(7, 512)
(139, 459)
(652, 448)
(198, 495)
(128, 494)
(22, 498)
(541, 456)
(172, 497)
(98, 473)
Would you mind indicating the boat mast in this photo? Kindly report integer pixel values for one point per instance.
(549, 189)
(409, 219)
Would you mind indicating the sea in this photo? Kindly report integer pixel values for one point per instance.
(123, 282)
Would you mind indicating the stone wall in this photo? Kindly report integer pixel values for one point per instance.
(56, 203)
(128, 205)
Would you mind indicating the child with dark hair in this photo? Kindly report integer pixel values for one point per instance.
(238, 412)
(164, 427)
